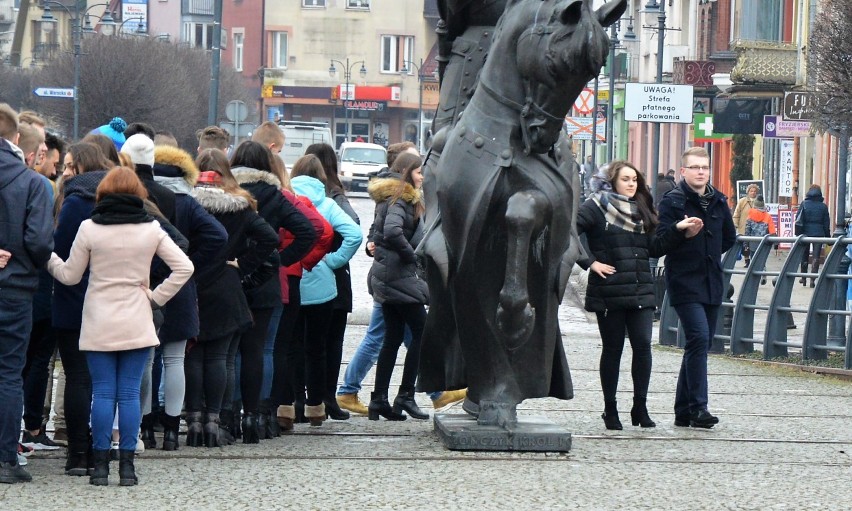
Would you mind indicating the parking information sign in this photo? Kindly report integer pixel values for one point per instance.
(654, 102)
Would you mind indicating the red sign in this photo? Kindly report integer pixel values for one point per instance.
(585, 102)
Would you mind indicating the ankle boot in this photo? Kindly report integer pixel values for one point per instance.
(171, 429)
(610, 416)
(100, 474)
(226, 427)
(315, 414)
(250, 429)
(379, 406)
(334, 411)
(405, 402)
(639, 414)
(211, 430)
(194, 429)
(271, 429)
(146, 431)
(77, 462)
(300, 412)
(262, 429)
(126, 469)
(285, 415)
(237, 408)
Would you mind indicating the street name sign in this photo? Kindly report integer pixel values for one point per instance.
(654, 102)
(53, 92)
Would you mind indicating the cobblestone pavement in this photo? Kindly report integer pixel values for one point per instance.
(784, 442)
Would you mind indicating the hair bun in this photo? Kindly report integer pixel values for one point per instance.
(118, 124)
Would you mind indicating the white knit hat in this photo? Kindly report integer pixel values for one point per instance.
(140, 148)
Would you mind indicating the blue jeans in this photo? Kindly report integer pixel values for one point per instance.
(16, 321)
(268, 348)
(116, 379)
(367, 354)
(699, 327)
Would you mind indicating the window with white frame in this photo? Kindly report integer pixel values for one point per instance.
(397, 50)
(279, 50)
(199, 35)
(238, 50)
(357, 4)
(313, 3)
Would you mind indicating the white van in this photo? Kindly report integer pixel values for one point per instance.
(358, 162)
(299, 135)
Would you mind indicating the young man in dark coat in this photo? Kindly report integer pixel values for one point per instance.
(694, 278)
(26, 242)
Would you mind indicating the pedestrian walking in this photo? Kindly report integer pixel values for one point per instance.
(758, 224)
(812, 220)
(619, 222)
(740, 217)
(694, 278)
(118, 243)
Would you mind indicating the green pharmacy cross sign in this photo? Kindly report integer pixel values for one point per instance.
(702, 126)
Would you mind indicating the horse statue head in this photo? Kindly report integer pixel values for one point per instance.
(557, 47)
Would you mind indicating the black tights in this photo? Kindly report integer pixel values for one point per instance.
(250, 345)
(288, 355)
(396, 317)
(206, 373)
(334, 353)
(613, 324)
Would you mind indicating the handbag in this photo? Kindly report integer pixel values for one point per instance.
(799, 226)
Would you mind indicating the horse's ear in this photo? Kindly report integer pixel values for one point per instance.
(571, 15)
(611, 11)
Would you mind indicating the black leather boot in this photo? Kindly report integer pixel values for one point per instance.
(147, 431)
(610, 416)
(77, 462)
(262, 426)
(405, 402)
(379, 406)
(194, 429)
(334, 411)
(126, 469)
(226, 428)
(251, 435)
(171, 429)
(100, 474)
(268, 421)
(211, 430)
(639, 414)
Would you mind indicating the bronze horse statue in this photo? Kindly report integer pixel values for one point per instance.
(500, 239)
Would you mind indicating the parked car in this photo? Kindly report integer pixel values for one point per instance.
(358, 162)
(299, 135)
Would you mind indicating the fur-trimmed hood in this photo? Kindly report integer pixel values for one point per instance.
(172, 161)
(245, 175)
(215, 200)
(383, 189)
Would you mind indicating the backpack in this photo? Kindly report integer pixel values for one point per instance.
(759, 229)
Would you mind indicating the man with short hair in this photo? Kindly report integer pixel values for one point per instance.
(165, 138)
(26, 242)
(30, 142)
(270, 136)
(139, 127)
(694, 277)
(50, 163)
(32, 118)
(213, 137)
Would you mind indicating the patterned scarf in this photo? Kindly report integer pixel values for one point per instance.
(619, 211)
(705, 198)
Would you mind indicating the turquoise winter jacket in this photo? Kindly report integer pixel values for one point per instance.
(318, 285)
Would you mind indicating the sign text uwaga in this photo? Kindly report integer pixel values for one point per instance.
(646, 102)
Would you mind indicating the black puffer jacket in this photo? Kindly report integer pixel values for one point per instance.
(632, 285)
(393, 276)
(814, 215)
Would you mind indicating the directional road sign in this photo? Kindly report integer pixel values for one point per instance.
(53, 92)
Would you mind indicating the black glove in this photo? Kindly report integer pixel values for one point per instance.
(159, 317)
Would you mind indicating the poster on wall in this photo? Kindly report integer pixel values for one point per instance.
(785, 170)
(133, 14)
(742, 187)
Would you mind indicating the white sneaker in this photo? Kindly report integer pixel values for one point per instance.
(22, 460)
(140, 446)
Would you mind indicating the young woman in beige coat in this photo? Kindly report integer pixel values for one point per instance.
(118, 244)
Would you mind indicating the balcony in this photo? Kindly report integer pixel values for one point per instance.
(202, 7)
(693, 72)
(764, 62)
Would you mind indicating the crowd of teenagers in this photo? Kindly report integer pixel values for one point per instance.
(212, 289)
(215, 289)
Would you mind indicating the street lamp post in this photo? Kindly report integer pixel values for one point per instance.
(419, 68)
(48, 23)
(347, 77)
(660, 8)
(614, 44)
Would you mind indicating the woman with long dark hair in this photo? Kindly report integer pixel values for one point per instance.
(619, 221)
(255, 171)
(341, 306)
(396, 283)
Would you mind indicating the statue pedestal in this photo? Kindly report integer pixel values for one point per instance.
(461, 432)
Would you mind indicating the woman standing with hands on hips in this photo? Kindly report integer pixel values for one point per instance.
(118, 244)
(619, 221)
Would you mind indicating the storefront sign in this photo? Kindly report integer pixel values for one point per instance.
(785, 171)
(775, 127)
(369, 106)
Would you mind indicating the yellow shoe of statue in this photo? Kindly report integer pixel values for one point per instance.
(448, 398)
(352, 403)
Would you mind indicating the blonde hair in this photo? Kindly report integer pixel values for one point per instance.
(699, 152)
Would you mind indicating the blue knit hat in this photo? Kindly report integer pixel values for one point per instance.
(114, 130)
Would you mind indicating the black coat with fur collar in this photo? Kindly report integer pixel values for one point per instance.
(396, 232)
(223, 307)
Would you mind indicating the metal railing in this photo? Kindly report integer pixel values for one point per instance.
(825, 329)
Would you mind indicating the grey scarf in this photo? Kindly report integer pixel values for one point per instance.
(620, 211)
